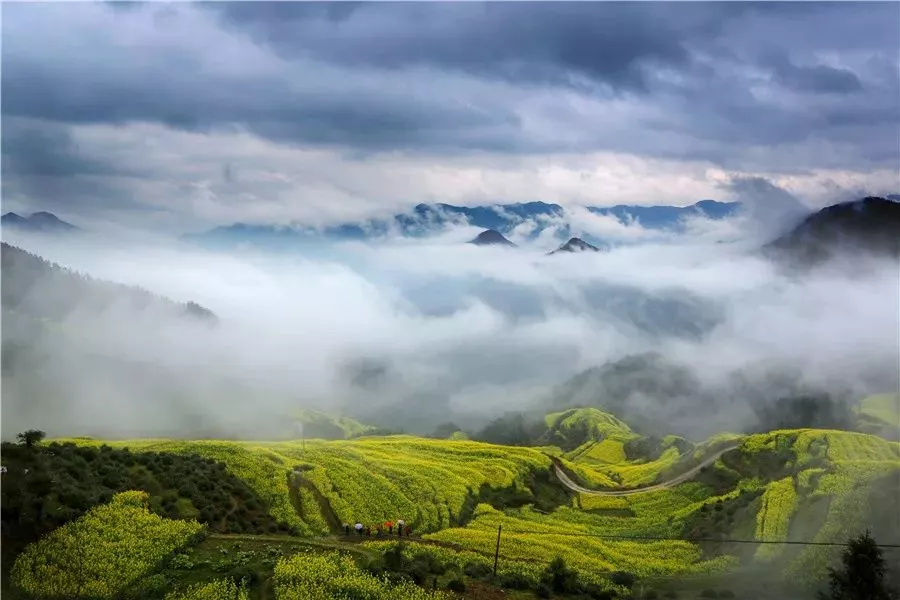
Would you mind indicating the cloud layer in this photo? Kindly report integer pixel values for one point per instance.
(444, 330)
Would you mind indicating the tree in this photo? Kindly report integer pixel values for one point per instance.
(862, 575)
(31, 437)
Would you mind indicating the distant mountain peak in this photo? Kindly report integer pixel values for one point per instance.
(576, 244)
(491, 237)
(871, 224)
(39, 221)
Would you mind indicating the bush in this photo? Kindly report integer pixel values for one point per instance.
(515, 581)
(598, 593)
(726, 594)
(560, 577)
(429, 563)
(477, 569)
(544, 591)
(623, 578)
(456, 585)
(671, 594)
(651, 595)
(708, 594)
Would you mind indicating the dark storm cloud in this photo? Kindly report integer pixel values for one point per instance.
(460, 77)
(43, 150)
(531, 42)
(815, 78)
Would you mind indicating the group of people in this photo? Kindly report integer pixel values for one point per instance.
(387, 528)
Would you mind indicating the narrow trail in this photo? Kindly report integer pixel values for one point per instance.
(689, 474)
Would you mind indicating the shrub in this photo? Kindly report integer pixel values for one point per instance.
(623, 578)
(560, 577)
(456, 585)
(515, 581)
(477, 569)
(670, 594)
(708, 594)
(726, 594)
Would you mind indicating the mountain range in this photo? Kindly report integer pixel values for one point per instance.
(40, 221)
(528, 220)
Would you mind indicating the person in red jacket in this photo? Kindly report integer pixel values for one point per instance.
(390, 527)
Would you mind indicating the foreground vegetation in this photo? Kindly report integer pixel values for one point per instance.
(104, 552)
(787, 485)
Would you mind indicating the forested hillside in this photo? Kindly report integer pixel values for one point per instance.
(47, 291)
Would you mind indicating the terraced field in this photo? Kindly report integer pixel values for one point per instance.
(785, 485)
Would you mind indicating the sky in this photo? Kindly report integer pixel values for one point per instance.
(180, 117)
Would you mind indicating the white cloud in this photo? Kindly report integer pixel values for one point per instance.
(460, 322)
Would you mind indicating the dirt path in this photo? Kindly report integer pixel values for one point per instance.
(689, 474)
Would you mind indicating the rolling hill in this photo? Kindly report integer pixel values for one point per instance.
(793, 485)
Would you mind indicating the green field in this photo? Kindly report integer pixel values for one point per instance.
(798, 485)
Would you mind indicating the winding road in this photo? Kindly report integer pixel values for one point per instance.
(689, 474)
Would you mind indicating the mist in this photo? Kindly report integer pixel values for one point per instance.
(412, 333)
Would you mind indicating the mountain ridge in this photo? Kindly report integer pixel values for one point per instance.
(425, 219)
(42, 221)
(871, 225)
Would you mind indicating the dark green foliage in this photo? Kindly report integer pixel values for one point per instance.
(862, 573)
(651, 595)
(477, 569)
(515, 581)
(649, 448)
(560, 578)
(445, 430)
(541, 491)
(592, 590)
(670, 594)
(707, 593)
(48, 485)
(457, 585)
(30, 438)
(421, 568)
(623, 578)
(512, 429)
(815, 409)
(726, 594)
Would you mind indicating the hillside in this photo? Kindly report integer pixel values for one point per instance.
(663, 396)
(803, 485)
(880, 415)
(870, 225)
(45, 290)
(318, 424)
